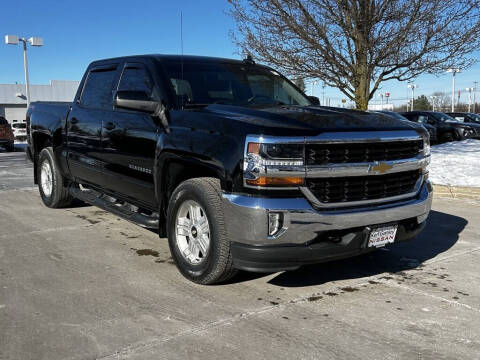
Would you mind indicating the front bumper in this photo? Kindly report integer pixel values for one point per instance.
(309, 235)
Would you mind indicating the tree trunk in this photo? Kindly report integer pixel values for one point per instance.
(362, 87)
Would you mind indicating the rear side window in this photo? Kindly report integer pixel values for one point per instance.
(97, 92)
(136, 78)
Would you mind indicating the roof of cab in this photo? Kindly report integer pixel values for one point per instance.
(173, 58)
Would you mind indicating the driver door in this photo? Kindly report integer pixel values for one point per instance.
(129, 141)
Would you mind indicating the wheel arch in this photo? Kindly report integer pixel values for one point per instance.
(173, 169)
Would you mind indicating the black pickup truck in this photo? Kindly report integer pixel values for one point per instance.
(232, 162)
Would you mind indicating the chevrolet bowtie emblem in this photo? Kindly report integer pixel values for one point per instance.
(380, 168)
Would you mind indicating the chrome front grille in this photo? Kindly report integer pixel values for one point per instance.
(361, 188)
(340, 153)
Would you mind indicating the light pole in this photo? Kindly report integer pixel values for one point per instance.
(474, 91)
(412, 86)
(453, 71)
(469, 98)
(315, 82)
(33, 41)
(323, 94)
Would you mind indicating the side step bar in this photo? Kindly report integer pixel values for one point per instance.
(122, 209)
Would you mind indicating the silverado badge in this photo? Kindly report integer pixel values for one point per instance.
(380, 168)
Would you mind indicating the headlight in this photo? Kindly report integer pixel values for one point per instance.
(426, 145)
(274, 165)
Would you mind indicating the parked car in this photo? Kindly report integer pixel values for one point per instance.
(6, 135)
(431, 129)
(466, 117)
(19, 130)
(232, 162)
(448, 129)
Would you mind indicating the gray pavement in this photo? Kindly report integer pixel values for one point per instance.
(80, 283)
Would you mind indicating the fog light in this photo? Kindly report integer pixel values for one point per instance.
(274, 223)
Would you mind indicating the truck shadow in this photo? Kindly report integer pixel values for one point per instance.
(440, 234)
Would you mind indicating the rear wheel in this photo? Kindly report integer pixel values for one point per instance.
(51, 184)
(196, 232)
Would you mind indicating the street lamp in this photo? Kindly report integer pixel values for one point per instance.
(469, 98)
(413, 87)
(315, 82)
(453, 71)
(33, 41)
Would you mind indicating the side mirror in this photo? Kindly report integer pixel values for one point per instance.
(135, 100)
(314, 100)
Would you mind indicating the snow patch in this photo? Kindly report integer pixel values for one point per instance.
(456, 163)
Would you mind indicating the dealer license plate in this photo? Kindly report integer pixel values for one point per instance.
(381, 236)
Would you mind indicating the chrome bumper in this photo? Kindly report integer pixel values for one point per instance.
(247, 217)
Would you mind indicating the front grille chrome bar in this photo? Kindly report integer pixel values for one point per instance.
(367, 168)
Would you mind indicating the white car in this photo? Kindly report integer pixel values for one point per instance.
(19, 130)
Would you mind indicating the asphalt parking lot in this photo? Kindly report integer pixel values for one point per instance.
(80, 283)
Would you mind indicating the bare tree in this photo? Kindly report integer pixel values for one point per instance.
(442, 101)
(355, 45)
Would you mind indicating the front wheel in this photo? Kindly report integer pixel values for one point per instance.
(51, 184)
(196, 232)
(448, 137)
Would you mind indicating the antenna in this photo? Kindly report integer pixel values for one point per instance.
(181, 58)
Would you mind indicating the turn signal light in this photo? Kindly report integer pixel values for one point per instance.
(276, 181)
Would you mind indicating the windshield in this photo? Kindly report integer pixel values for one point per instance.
(395, 115)
(444, 117)
(232, 84)
(475, 117)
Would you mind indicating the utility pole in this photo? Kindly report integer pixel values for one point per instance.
(453, 71)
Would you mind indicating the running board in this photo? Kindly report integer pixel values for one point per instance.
(122, 209)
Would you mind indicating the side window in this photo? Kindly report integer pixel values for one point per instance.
(136, 78)
(97, 92)
(423, 119)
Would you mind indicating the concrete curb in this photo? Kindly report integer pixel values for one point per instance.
(456, 192)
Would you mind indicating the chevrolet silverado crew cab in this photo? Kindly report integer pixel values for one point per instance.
(232, 162)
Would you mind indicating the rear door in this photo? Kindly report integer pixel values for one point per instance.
(84, 124)
(129, 140)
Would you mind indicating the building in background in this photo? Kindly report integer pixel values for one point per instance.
(13, 102)
(380, 107)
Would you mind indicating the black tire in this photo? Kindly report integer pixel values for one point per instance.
(59, 196)
(10, 147)
(448, 137)
(217, 265)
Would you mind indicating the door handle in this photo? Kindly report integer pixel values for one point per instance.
(73, 121)
(109, 125)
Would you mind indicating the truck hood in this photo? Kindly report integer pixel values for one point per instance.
(308, 120)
